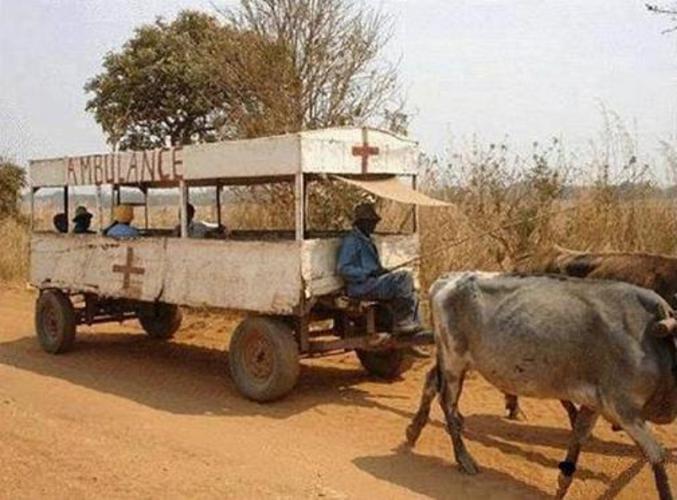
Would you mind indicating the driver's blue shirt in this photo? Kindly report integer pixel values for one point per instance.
(358, 261)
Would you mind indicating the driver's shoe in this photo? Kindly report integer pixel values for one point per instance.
(407, 327)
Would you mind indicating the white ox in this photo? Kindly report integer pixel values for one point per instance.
(608, 346)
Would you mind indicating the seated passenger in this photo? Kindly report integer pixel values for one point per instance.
(196, 228)
(360, 267)
(121, 226)
(60, 222)
(82, 220)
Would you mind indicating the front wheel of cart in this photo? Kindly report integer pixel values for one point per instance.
(55, 321)
(263, 358)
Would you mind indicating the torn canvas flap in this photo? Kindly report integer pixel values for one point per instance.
(394, 189)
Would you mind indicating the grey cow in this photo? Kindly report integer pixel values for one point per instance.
(608, 346)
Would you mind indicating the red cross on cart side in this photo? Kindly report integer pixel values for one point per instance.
(127, 269)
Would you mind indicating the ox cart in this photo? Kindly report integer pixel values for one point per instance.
(285, 281)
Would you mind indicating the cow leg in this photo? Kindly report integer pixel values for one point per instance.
(583, 424)
(571, 410)
(451, 385)
(430, 389)
(654, 452)
(512, 408)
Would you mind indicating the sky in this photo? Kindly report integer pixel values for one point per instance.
(526, 69)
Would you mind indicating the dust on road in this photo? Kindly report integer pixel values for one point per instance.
(124, 416)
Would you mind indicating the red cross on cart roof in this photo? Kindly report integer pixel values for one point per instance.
(365, 151)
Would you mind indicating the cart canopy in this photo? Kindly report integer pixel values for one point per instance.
(393, 188)
(341, 151)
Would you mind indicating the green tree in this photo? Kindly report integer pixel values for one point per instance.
(192, 80)
(12, 181)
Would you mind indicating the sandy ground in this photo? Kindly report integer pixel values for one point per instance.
(122, 416)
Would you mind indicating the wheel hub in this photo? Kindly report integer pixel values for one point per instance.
(258, 356)
(50, 322)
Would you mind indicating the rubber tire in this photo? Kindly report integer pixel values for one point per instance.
(64, 317)
(284, 352)
(387, 365)
(160, 321)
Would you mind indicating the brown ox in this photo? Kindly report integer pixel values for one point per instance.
(653, 271)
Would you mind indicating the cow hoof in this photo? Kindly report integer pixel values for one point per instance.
(468, 465)
(412, 436)
(516, 415)
(563, 483)
(404, 447)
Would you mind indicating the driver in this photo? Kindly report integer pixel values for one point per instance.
(360, 267)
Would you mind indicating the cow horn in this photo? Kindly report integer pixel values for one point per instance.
(665, 327)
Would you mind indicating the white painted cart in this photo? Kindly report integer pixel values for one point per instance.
(287, 284)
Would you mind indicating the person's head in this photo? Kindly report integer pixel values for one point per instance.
(124, 214)
(82, 219)
(190, 212)
(60, 222)
(366, 218)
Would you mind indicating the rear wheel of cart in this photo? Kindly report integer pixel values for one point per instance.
(55, 321)
(159, 320)
(383, 364)
(263, 358)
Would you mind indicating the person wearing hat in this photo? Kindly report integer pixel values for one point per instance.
(121, 227)
(360, 267)
(82, 220)
(60, 222)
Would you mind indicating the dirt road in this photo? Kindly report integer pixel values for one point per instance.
(122, 416)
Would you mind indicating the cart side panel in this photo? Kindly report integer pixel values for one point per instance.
(249, 275)
(320, 255)
(88, 263)
(253, 276)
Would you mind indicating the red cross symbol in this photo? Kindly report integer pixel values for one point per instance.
(127, 269)
(365, 151)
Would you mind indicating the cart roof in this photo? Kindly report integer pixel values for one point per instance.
(342, 151)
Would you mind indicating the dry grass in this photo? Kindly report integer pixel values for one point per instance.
(13, 250)
(584, 222)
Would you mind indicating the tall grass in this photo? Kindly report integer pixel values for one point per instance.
(506, 208)
(13, 250)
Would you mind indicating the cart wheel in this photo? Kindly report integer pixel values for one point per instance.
(382, 364)
(54, 321)
(159, 320)
(264, 358)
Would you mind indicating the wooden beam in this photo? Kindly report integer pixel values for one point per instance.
(218, 203)
(66, 209)
(99, 208)
(300, 206)
(183, 208)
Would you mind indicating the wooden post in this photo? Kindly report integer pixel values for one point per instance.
(218, 203)
(65, 209)
(300, 206)
(144, 189)
(99, 208)
(112, 202)
(183, 210)
(415, 207)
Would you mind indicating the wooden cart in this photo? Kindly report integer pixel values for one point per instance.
(287, 284)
